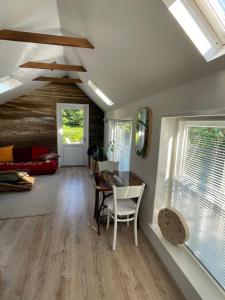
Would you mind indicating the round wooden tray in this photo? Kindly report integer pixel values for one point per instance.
(173, 226)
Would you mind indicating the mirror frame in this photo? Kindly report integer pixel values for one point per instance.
(147, 133)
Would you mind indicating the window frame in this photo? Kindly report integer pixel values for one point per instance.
(179, 133)
(217, 47)
(186, 270)
(212, 18)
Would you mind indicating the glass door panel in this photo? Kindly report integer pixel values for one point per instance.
(73, 126)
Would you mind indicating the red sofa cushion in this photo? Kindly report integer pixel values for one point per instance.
(37, 151)
(21, 154)
(49, 156)
(33, 168)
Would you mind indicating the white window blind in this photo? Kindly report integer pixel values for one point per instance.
(121, 134)
(198, 191)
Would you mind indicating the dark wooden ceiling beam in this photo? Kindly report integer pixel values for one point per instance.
(53, 66)
(58, 79)
(40, 38)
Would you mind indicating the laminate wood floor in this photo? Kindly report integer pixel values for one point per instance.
(60, 256)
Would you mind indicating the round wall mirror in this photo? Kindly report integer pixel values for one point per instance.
(143, 130)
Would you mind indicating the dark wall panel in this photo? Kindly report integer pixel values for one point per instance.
(31, 119)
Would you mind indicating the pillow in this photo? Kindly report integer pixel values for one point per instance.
(49, 156)
(37, 151)
(21, 154)
(6, 153)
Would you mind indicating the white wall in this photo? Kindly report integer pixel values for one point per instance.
(203, 96)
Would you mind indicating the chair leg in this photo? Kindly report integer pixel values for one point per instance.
(128, 223)
(114, 233)
(108, 219)
(135, 231)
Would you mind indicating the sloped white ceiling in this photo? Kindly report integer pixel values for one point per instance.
(139, 48)
(27, 15)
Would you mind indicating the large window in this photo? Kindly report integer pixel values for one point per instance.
(198, 191)
(119, 148)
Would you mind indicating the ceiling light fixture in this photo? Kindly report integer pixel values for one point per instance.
(8, 83)
(100, 93)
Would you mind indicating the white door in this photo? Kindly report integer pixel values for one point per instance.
(72, 128)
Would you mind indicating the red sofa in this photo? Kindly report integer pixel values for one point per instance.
(32, 167)
(34, 160)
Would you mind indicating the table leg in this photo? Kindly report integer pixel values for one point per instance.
(98, 220)
(98, 209)
(96, 203)
(99, 214)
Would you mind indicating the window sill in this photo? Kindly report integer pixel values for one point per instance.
(220, 53)
(203, 286)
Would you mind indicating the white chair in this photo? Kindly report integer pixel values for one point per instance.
(108, 165)
(122, 208)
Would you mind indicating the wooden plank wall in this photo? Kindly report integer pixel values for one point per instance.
(31, 119)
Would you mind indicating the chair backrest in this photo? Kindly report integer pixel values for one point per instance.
(128, 192)
(108, 165)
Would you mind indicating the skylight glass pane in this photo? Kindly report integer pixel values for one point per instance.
(8, 83)
(218, 7)
(190, 26)
(100, 93)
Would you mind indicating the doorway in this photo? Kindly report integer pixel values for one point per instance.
(120, 137)
(72, 134)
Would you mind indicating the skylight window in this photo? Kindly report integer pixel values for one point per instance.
(218, 6)
(214, 11)
(190, 26)
(100, 93)
(8, 83)
(204, 23)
